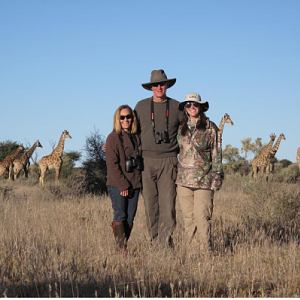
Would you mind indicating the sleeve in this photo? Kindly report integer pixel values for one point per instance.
(137, 115)
(217, 167)
(113, 164)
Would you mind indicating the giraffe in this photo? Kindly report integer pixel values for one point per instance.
(273, 152)
(54, 160)
(298, 157)
(261, 160)
(7, 162)
(225, 119)
(23, 162)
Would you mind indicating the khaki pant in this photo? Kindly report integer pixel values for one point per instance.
(197, 209)
(159, 193)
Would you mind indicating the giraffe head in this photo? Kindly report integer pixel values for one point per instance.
(66, 134)
(227, 119)
(282, 136)
(19, 149)
(38, 144)
(273, 136)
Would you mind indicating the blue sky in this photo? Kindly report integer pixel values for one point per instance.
(68, 64)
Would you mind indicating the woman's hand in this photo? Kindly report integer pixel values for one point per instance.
(124, 193)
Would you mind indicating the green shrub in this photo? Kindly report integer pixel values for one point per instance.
(289, 174)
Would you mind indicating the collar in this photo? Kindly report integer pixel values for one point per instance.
(160, 101)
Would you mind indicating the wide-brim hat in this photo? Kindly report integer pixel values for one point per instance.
(194, 97)
(158, 76)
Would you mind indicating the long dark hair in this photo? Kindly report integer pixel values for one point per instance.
(201, 124)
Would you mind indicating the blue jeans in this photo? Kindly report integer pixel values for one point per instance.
(124, 207)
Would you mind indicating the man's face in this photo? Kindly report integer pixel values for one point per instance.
(159, 90)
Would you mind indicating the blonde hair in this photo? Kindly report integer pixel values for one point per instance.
(117, 125)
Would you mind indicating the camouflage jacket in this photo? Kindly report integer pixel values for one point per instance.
(200, 158)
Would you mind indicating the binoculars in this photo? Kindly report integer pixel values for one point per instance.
(133, 162)
(162, 137)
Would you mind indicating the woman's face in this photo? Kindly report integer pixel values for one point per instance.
(192, 110)
(125, 119)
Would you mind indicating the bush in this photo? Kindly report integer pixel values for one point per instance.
(95, 164)
(289, 174)
(272, 207)
(241, 167)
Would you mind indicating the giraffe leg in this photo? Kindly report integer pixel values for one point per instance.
(26, 170)
(27, 166)
(2, 171)
(10, 169)
(261, 171)
(42, 175)
(254, 173)
(41, 179)
(267, 173)
(16, 173)
(57, 173)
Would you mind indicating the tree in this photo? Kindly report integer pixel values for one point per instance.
(231, 154)
(69, 160)
(258, 146)
(73, 156)
(249, 146)
(95, 164)
(237, 163)
(285, 163)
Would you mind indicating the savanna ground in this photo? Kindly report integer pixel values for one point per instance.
(55, 242)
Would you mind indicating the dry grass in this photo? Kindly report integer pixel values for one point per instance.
(55, 244)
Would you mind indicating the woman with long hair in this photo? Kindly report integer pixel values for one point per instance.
(200, 171)
(124, 165)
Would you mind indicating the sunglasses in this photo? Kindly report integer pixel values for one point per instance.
(128, 117)
(189, 104)
(159, 83)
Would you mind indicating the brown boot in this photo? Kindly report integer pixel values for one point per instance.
(119, 233)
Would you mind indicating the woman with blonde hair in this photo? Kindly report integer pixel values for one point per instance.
(124, 165)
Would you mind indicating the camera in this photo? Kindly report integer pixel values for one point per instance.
(133, 162)
(162, 137)
(130, 193)
(165, 136)
(157, 137)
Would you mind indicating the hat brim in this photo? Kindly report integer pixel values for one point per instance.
(204, 105)
(148, 85)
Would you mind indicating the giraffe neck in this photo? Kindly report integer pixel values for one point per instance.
(267, 148)
(14, 154)
(298, 155)
(276, 146)
(60, 147)
(31, 150)
(221, 126)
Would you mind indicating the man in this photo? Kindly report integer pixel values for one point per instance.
(159, 119)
